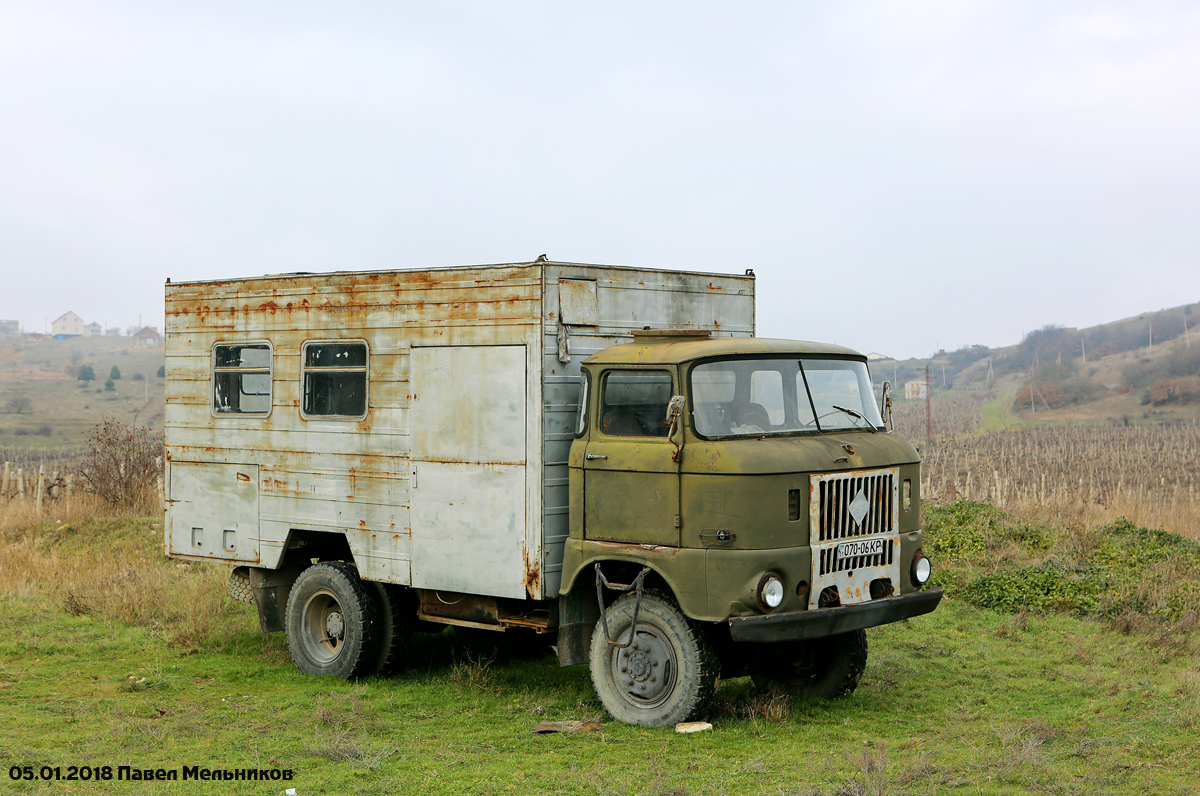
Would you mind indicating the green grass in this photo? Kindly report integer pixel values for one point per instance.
(967, 700)
(998, 414)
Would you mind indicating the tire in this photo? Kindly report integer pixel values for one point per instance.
(239, 586)
(824, 668)
(673, 669)
(395, 627)
(332, 626)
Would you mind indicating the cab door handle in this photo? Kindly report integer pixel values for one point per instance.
(595, 456)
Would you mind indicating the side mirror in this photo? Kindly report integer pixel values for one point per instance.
(674, 409)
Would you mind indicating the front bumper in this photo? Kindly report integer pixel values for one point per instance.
(822, 622)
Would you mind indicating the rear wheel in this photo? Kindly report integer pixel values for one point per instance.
(824, 668)
(666, 674)
(332, 624)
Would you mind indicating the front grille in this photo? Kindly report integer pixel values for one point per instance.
(831, 563)
(835, 497)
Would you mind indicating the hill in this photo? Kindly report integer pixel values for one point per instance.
(1135, 370)
(44, 405)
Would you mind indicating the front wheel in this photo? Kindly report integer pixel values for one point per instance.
(824, 668)
(332, 622)
(667, 674)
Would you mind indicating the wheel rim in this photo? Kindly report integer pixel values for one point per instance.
(644, 672)
(324, 629)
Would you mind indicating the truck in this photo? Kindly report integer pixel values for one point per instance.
(603, 460)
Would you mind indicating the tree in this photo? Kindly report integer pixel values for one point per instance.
(162, 371)
(122, 464)
(115, 373)
(86, 373)
(20, 403)
(108, 385)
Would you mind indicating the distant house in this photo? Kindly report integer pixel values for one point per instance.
(148, 337)
(10, 327)
(112, 331)
(94, 329)
(69, 325)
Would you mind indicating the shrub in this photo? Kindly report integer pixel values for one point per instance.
(86, 373)
(960, 530)
(115, 373)
(122, 464)
(162, 372)
(137, 377)
(108, 385)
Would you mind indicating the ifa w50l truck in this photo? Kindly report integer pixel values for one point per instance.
(601, 458)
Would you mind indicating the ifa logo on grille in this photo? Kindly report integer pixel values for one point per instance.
(859, 507)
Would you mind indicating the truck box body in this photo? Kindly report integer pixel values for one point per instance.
(426, 415)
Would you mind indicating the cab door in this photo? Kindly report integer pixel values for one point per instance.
(631, 483)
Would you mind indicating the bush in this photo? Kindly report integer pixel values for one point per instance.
(959, 531)
(122, 464)
(86, 373)
(162, 372)
(108, 385)
(137, 377)
(115, 373)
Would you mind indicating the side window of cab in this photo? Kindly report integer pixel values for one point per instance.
(633, 403)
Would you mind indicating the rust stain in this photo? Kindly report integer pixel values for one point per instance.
(711, 286)
(243, 477)
(457, 460)
(533, 574)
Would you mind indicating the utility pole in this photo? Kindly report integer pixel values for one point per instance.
(928, 412)
(1083, 343)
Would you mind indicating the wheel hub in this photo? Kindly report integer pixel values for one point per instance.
(643, 668)
(335, 625)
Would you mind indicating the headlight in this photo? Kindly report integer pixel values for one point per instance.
(921, 569)
(770, 592)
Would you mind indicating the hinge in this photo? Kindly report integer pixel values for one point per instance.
(678, 521)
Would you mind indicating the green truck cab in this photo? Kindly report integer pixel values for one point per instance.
(742, 503)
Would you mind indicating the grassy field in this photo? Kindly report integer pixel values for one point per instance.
(112, 655)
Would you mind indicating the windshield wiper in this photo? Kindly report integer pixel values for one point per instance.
(859, 415)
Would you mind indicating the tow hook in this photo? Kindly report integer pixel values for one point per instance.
(603, 583)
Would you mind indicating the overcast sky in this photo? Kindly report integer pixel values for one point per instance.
(899, 175)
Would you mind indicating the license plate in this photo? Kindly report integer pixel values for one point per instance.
(865, 547)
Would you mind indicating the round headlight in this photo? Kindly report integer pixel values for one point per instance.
(921, 569)
(770, 592)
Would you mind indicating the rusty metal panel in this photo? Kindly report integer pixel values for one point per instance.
(201, 527)
(468, 490)
(578, 305)
(846, 511)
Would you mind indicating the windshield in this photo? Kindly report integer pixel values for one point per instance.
(752, 397)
